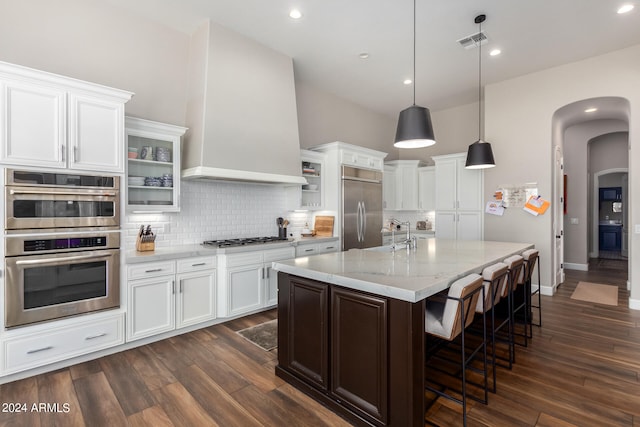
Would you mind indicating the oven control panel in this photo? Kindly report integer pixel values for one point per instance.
(38, 245)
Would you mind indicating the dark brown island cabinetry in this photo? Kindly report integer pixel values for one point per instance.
(360, 354)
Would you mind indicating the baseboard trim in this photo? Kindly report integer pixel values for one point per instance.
(634, 304)
(575, 266)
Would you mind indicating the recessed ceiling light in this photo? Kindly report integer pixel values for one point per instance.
(495, 52)
(363, 55)
(295, 14)
(591, 110)
(625, 9)
(407, 81)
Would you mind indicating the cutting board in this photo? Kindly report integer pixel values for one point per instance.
(324, 226)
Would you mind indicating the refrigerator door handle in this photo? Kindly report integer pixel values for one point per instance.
(364, 220)
(359, 222)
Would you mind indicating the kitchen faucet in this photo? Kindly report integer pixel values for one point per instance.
(410, 242)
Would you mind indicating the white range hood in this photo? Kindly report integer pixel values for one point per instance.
(241, 111)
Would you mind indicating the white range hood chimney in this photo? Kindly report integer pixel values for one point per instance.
(241, 111)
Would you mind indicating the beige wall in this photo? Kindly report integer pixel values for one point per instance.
(455, 129)
(519, 115)
(323, 117)
(92, 41)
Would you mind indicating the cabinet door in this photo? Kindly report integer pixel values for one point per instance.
(359, 363)
(96, 134)
(150, 307)
(446, 225)
(33, 123)
(446, 185)
(389, 194)
(427, 189)
(469, 187)
(196, 297)
(245, 288)
(469, 225)
(307, 347)
(407, 188)
(271, 285)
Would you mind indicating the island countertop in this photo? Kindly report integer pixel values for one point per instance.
(405, 275)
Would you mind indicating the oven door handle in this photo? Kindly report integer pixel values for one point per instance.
(62, 193)
(60, 260)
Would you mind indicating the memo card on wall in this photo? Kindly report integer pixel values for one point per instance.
(536, 205)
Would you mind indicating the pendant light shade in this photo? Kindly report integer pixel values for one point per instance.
(414, 123)
(414, 128)
(480, 154)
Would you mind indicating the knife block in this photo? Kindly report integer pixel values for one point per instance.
(144, 246)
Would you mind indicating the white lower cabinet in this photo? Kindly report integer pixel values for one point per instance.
(247, 282)
(166, 295)
(313, 248)
(61, 340)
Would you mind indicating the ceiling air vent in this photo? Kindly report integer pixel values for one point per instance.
(473, 41)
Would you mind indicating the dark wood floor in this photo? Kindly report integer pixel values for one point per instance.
(581, 369)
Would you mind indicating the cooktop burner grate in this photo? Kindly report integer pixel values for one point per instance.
(225, 243)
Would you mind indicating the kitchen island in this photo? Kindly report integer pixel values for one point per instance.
(351, 324)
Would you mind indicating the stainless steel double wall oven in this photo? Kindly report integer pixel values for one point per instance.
(62, 245)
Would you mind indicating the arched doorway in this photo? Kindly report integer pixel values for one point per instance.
(574, 126)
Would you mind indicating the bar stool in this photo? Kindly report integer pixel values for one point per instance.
(515, 264)
(531, 259)
(449, 319)
(494, 281)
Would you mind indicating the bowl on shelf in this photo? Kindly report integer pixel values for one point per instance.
(310, 187)
(152, 182)
(133, 154)
(163, 154)
(136, 180)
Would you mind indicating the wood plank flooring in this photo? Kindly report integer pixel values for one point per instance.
(581, 369)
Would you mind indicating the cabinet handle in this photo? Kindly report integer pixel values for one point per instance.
(93, 337)
(75, 153)
(38, 350)
(62, 152)
(181, 286)
(268, 271)
(153, 270)
(308, 250)
(262, 272)
(329, 248)
(173, 286)
(198, 264)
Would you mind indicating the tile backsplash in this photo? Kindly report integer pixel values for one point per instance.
(213, 210)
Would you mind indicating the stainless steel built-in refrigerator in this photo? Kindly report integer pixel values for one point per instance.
(361, 208)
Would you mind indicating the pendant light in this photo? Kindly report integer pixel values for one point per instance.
(414, 124)
(480, 155)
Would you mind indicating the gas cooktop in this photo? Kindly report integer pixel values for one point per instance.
(243, 241)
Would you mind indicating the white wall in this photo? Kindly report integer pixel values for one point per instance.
(519, 116)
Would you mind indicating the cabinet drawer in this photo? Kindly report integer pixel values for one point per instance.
(246, 258)
(324, 248)
(279, 254)
(304, 250)
(151, 269)
(41, 348)
(196, 264)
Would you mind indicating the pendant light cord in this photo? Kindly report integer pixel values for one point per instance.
(414, 52)
(480, 84)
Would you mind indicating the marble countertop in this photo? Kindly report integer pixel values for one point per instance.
(408, 276)
(195, 250)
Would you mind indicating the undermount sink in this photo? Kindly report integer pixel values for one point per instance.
(611, 222)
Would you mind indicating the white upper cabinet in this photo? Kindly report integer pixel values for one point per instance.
(153, 166)
(401, 185)
(427, 188)
(458, 199)
(53, 121)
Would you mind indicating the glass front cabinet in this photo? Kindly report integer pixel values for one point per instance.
(153, 166)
